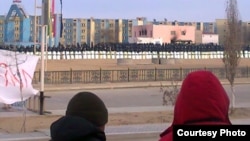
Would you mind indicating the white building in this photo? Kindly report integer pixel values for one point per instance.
(210, 38)
(145, 40)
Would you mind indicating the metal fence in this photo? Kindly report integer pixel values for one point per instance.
(127, 75)
(118, 76)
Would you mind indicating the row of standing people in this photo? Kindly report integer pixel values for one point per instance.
(202, 100)
(125, 48)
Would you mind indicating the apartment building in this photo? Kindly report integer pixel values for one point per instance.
(2, 29)
(19, 27)
(221, 30)
(246, 33)
(93, 31)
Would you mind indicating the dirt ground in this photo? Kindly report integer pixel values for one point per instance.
(33, 123)
(66, 65)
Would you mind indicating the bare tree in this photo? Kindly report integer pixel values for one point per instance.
(170, 92)
(14, 67)
(232, 45)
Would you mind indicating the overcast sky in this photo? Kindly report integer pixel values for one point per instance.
(180, 10)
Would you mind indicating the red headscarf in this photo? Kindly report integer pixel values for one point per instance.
(202, 100)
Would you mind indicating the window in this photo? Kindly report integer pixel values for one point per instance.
(183, 32)
(173, 32)
(198, 27)
(13, 13)
(83, 37)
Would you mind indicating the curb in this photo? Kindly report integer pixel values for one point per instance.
(122, 85)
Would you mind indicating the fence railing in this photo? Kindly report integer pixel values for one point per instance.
(127, 75)
(121, 75)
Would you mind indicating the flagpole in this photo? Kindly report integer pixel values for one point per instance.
(35, 26)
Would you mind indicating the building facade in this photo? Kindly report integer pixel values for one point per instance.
(53, 37)
(221, 30)
(210, 38)
(168, 33)
(2, 18)
(17, 26)
(94, 31)
(246, 33)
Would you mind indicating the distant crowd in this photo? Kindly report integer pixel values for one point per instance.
(125, 47)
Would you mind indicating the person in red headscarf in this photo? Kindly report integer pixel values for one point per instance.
(202, 101)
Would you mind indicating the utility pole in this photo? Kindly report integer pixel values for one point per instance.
(43, 44)
(43, 27)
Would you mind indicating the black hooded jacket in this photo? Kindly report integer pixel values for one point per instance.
(71, 128)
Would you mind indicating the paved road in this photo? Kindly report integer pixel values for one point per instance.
(133, 97)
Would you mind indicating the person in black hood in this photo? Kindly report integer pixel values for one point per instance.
(85, 120)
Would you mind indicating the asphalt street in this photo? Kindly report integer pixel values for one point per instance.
(134, 97)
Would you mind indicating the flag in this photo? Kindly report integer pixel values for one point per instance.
(16, 74)
(61, 29)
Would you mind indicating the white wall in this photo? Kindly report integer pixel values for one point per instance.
(142, 40)
(210, 38)
(134, 55)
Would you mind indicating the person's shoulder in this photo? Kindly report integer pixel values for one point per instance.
(167, 137)
(94, 139)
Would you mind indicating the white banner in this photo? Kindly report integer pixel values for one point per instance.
(13, 85)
